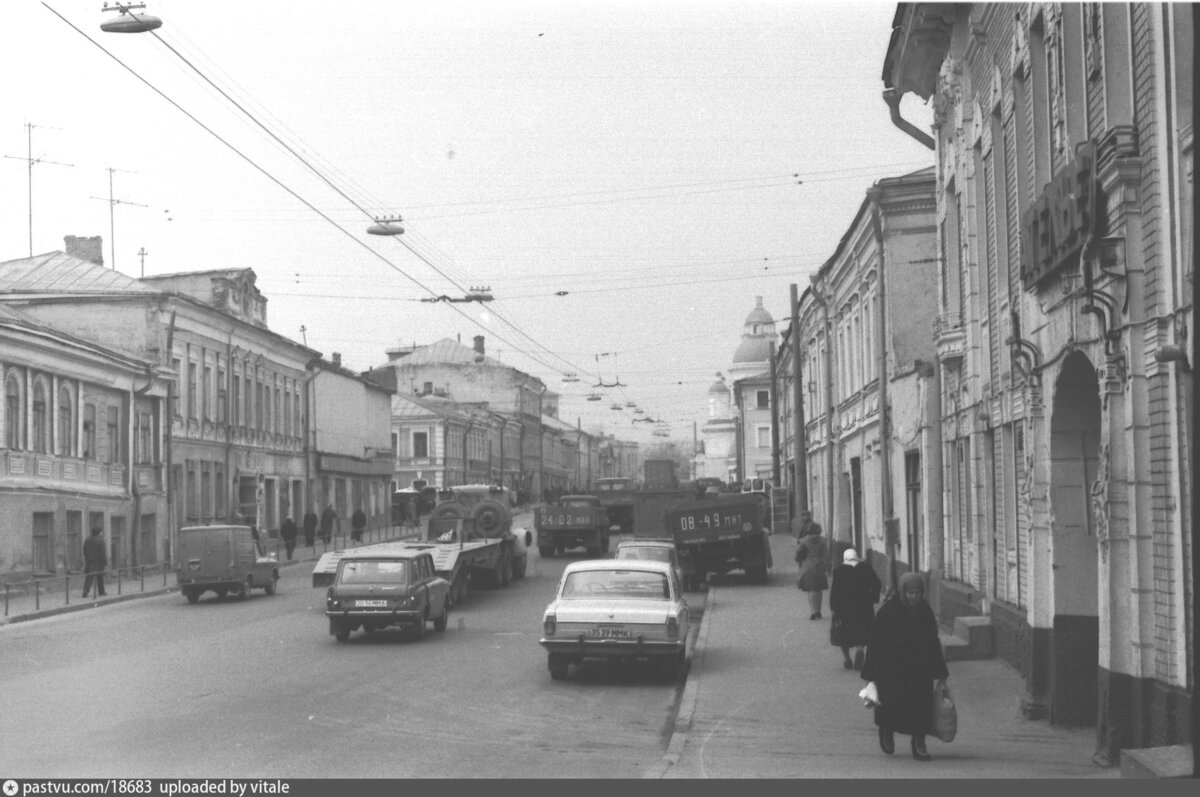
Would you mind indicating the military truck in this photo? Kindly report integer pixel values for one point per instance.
(573, 521)
(718, 534)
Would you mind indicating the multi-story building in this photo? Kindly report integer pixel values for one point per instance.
(865, 342)
(1063, 148)
(351, 452)
(236, 431)
(81, 447)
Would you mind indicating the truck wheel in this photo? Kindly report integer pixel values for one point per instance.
(244, 589)
(458, 589)
(440, 623)
(192, 595)
(504, 576)
(546, 551)
(490, 517)
(221, 594)
(558, 666)
(270, 588)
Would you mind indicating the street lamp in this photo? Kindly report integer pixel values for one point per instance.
(128, 22)
(386, 226)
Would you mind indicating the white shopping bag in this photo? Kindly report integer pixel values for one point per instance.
(869, 695)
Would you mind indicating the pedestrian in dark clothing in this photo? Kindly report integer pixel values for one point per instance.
(95, 560)
(310, 528)
(358, 523)
(852, 598)
(328, 519)
(812, 554)
(287, 530)
(904, 658)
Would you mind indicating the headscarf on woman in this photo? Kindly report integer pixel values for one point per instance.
(907, 580)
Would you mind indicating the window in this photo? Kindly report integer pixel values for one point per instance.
(222, 395)
(175, 409)
(763, 398)
(41, 432)
(219, 495)
(114, 434)
(267, 409)
(296, 413)
(420, 445)
(287, 413)
(205, 490)
(762, 436)
(248, 416)
(89, 431)
(144, 439)
(237, 400)
(206, 399)
(278, 421)
(258, 405)
(14, 419)
(66, 427)
(193, 497)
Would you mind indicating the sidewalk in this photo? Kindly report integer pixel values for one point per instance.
(767, 697)
(23, 604)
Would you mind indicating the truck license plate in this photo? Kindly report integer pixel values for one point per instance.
(611, 633)
(370, 604)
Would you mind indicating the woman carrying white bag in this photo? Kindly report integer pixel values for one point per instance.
(904, 662)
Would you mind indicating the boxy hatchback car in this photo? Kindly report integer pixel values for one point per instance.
(619, 610)
(394, 588)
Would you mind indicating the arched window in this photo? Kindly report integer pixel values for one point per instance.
(41, 420)
(66, 429)
(14, 417)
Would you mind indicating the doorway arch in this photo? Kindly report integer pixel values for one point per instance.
(1074, 456)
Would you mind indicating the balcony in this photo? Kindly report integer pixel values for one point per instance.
(950, 337)
(51, 472)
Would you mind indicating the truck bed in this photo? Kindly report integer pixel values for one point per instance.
(447, 556)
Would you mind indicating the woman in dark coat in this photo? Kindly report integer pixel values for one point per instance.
(904, 657)
(852, 599)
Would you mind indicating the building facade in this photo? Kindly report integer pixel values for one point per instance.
(1063, 149)
(865, 342)
(81, 447)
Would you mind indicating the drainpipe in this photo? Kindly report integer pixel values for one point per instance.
(830, 477)
(168, 433)
(891, 524)
(892, 97)
(801, 454)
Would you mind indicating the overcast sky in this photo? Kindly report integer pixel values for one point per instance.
(625, 177)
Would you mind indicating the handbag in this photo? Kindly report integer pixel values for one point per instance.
(945, 714)
(837, 631)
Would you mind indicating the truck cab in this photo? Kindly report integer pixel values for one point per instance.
(573, 521)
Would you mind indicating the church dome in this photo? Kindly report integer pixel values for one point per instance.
(753, 350)
(757, 334)
(718, 387)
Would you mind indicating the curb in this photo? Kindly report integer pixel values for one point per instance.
(687, 703)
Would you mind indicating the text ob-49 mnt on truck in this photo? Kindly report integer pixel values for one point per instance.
(719, 534)
(573, 521)
(470, 538)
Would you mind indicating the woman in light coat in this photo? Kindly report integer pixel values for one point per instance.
(812, 554)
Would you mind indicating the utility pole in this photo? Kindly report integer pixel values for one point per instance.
(891, 524)
(142, 254)
(30, 162)
(112, 203)
(798, 438)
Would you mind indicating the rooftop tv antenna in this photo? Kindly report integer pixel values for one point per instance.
(112, 203)
(31, 162)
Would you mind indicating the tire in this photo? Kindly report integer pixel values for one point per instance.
(519, 567)
(490, 518)
(418, 631)
(244, 590)
(271, 585)
(192, 595)
(440, 623)
(546, 551)
(221, 594)
(458, 589)
(341, 631)
(757, 575)
(504, 575)
(558, 665)
(368, 628)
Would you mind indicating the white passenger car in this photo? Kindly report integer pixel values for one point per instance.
(618, 610)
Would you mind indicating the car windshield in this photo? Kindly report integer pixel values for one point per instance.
(374, 571)
(654, 554)
(620, 584)
(578, 503)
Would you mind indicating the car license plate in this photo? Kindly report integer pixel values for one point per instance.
(611, 633)
(370, 604)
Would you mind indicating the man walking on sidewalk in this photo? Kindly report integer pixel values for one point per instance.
(95, 560)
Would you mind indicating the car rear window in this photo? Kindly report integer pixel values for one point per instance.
(374, 571)
(620, 584)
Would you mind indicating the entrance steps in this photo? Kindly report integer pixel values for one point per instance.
(1171, 761)
(973, 638)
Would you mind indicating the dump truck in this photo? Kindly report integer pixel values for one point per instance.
(573, 521)
(469, 536)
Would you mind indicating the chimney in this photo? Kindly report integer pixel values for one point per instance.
(479, 344)
(90, 249)
(337, 359)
